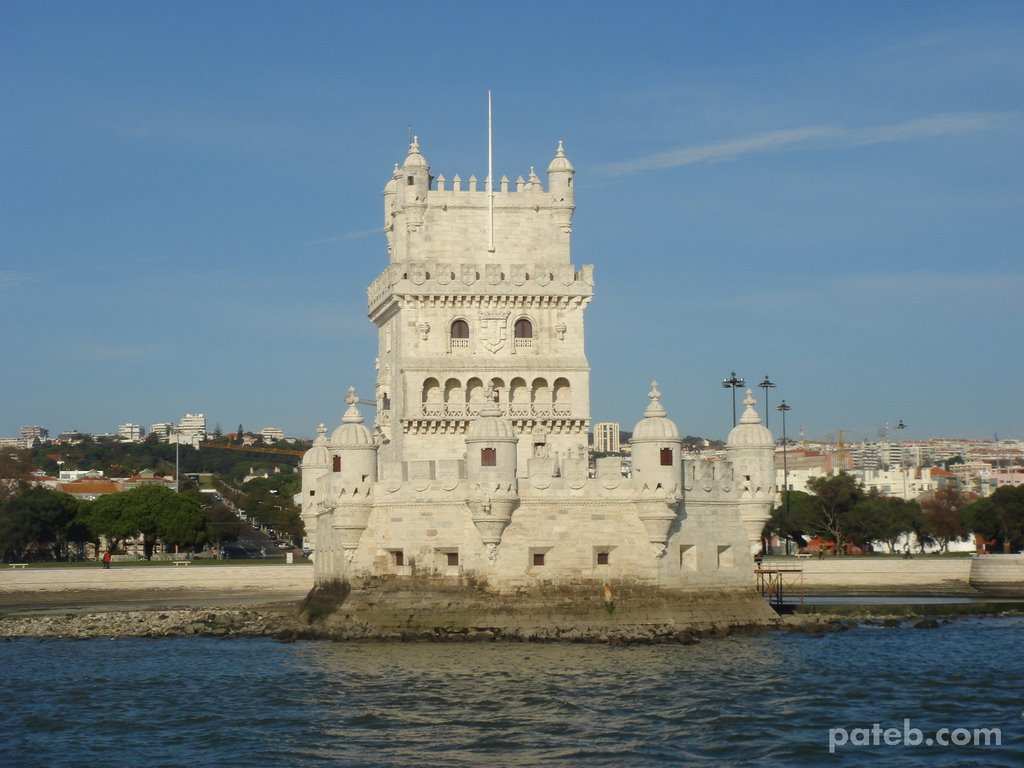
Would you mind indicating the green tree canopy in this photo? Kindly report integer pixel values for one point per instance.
(999, 517)
(38, 523)
(154, 511)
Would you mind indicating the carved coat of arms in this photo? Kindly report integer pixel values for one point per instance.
(417, 273)
(468, 274)
(543, 275)
(518, 274)
(444, 274)
(493, 273)
(493, 330)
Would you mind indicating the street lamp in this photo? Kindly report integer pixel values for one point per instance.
(734, 383)
(766, 385)
(901, 426)
(782, 407)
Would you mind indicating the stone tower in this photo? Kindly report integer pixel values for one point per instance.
(456, 318)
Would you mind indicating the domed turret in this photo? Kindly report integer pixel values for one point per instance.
(352, 433)
(491, 473)
(315, 464)
(318, 457)
(750, 432)
(657, 470)
(751, 450)
(414, 185)
(560, 186)
(655, 425)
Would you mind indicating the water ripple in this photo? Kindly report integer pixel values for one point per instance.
(764, 700)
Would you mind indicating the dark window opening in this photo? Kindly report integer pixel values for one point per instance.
(312, 493)
(410, 180)
(666, 457)
(385, 403)
(538, 558)
(453, 558)
(399, 557)
(337, 464)
(523, 329)
(460, 329)
(488, 457)
(602, 558)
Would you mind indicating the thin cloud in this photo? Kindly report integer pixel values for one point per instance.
(11, 279)
(818, 137)
(346, 237)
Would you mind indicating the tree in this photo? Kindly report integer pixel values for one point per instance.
(794, 517)
(999, 517)
(944, 510)
(154, 511)
(837, 495)
(883, 518)
(38, 523)
(239, 435)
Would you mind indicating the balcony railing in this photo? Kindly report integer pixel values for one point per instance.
(459, 344)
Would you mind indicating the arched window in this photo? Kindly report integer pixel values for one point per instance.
(459, 334)
(524, 329)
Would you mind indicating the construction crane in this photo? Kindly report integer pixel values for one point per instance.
(252, 449)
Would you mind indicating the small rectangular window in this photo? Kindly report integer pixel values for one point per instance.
(453, 558)
(488, 457)
(666, 457)
(312, 493)
(602, 558)
(538, 558)
(410, 180)
(399, 557)
(337, 464)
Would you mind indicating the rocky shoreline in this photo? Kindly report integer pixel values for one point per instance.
(285, 624)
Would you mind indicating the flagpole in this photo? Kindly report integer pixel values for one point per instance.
(490, 179)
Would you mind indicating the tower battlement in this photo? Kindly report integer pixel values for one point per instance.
(426, 219)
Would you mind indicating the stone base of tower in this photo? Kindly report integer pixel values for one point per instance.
(585, 612)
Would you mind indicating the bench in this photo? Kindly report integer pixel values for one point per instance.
(182, 562)
(19, 565)
(805, 554)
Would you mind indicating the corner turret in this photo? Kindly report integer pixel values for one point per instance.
(657, 470)
(560, 187)
(413, 186)
(491, 472)
(751, 449)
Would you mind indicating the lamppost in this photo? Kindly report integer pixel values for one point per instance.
(901, 426)
(766, 385)
(782, 407)
(734, 383)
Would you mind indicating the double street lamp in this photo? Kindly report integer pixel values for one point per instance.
(766, 385)
(733, 382)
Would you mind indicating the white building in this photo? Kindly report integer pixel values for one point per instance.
(162, 430)
(271, 434)
(476, 464)
(606, 437)
(192, 425)
(132, 432)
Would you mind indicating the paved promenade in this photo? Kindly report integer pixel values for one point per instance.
(153, 586)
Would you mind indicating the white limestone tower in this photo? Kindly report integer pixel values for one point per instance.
(455, 318)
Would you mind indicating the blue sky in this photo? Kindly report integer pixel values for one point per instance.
(828, 193)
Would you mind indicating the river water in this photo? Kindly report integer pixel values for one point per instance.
(770, 699)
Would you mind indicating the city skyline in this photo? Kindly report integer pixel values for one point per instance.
(829, 195)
